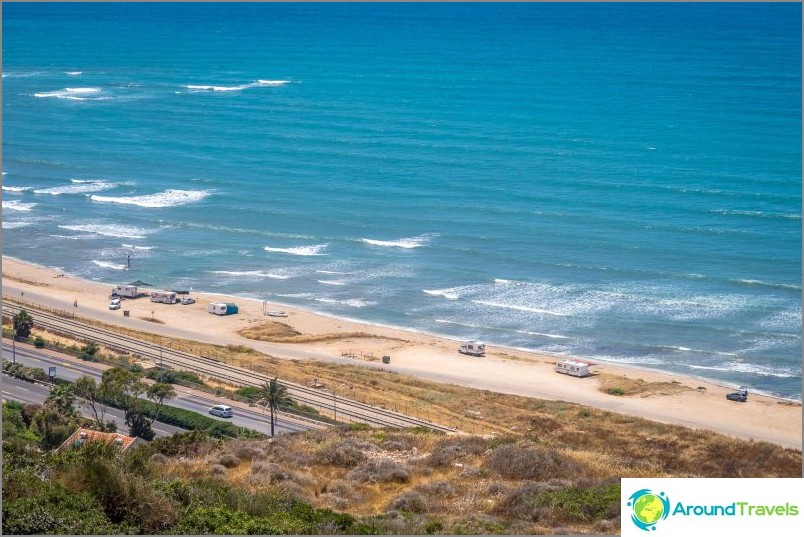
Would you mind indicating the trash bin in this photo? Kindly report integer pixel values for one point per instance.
(125, 313)
(386, 359)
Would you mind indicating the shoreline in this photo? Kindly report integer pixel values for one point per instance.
(428, 356)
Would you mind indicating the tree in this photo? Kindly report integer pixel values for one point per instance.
(159, 393)
(62, 399)
(86, 388)
(273, 394)
(23, 323)
(122, 387)
(138, 424)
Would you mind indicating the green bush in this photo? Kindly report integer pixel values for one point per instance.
(575, 504)
(249, 392)
(56, 512)
(39, 342)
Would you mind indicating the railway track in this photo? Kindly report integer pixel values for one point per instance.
(347, 408)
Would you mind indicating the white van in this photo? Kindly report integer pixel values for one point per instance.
(222, 411)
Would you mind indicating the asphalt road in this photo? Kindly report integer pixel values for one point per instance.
(256, 419)
(15, 389)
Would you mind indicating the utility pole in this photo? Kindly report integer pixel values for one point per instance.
(14, 347)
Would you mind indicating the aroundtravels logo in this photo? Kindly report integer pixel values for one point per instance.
(648, 508)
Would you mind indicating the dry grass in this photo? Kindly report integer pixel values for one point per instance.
(277, 332)
(619, 385)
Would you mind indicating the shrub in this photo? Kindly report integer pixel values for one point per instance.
(39, 342)
(56, 512)
(218, 470)
(410, 501)
(529, 462)
(229, 460)
(576, 504)
(380, 471)
(344, 454)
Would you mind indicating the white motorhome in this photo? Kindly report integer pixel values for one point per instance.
(473, 348)
(166, 297)
(128, 291)
(572, 368)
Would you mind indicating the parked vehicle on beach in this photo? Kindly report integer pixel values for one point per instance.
(128, 291)
(741, 395)
(473, 348)
(187, 300)
(276, 313)
(166, 297)
(573, 368)
(114, 305)
(222, 308)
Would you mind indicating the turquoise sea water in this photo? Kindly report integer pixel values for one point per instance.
(620, 182)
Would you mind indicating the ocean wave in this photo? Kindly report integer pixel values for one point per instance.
(109, 230)
(167, 198)
(500, 281)
(332, 272)
(75, 94)
(770, 284)
(240, 87)
(542, 334)
(748, 368)
(16, 188)
(22, 74)
(449, 294)
(251, 274)
(757, 214)
(135, 247)
(77, 186)
(407, 243)
(331, 282)
(352, 302)
(299, 250)
(17, 205)
(73, 237)
(15, 225)
(72, 73)
(106, 264)
(519, 308)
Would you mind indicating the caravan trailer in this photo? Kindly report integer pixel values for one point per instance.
(222, 308)
(473, 348)
(166, 297)
(572, 368)
(128, 291)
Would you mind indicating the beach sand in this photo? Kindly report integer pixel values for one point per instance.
(678, 400)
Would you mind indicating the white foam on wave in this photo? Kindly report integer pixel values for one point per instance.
(15, 225)
(407, 243)
(332, 272)
(16, 188)
(135, 247)
(519, 308)
(167, 198)
(769, 284)
(78, 186)
(331, 282)
(17, 205)
(752, 369)
(109, 230)
(757, 214)
(352, 302)
(449, 294)
(240, 87)
(251, 274)
(22, 74)
(72, 73)
(74, 94)
(299, 250)
(106, 264)
(542, 334)
(500, 281)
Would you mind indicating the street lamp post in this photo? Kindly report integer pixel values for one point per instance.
(14, 346)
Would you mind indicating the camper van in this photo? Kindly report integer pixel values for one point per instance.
(575, 369)
(222, 308)
(473, 348)
(128, 291)
(166, 297)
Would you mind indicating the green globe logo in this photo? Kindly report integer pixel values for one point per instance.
(648, 508)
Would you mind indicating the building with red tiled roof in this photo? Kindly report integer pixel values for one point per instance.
(82, 436)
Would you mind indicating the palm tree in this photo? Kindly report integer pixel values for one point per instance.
(23, 323)
(273, 394)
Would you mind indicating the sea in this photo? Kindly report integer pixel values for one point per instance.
(616, 182)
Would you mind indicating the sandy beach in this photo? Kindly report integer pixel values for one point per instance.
(682, 400)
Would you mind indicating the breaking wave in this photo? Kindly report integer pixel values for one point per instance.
(106, 264)
(77, 186)
(411, 242)
(299, 250)
(251, 274)
(16, 188)
(167, 198)
(353, 302)
(74, 94)
(17, 205)
(109, 230)
(255, 84)
(519, 308)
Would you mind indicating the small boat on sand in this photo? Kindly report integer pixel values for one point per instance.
(276, 313)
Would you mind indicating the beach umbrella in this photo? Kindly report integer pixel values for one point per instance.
(140, 283)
